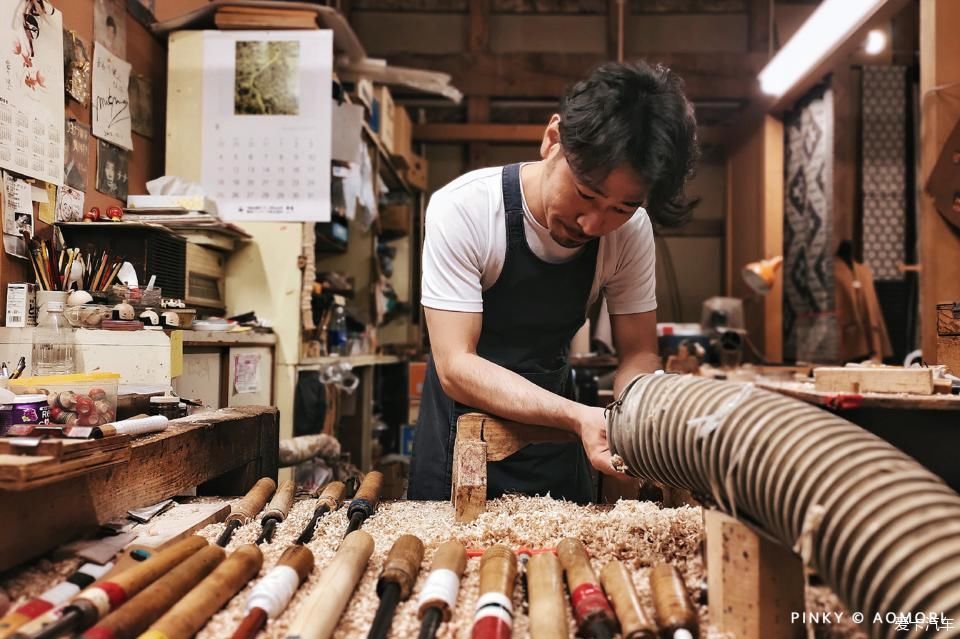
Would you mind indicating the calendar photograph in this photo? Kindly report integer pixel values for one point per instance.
(267, 78)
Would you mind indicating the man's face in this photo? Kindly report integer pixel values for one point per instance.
(110, 172)
(577, 210)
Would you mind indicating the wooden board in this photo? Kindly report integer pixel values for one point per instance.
(25, 472)
(180, 521)
(948, 352)
(754, 583)
(66, 449)
(853, 379)
(223, 452)
(948, 319)
(843, 401)
(503, 438)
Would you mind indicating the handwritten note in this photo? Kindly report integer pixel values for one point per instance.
(111, 100)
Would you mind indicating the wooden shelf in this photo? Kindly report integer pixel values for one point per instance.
(357, 361)
(389, 171)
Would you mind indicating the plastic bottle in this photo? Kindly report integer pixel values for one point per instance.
(53, 352)
(337, 332)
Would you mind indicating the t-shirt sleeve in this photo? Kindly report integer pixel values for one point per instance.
(633, 286)
(453, 244)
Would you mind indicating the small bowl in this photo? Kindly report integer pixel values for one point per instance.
(87, 315)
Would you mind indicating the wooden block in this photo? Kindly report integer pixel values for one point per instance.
(753, 583)
(948, 318)
(180, 521)
(874, 379)
(504, 438)
(469, 486)
(948, 352)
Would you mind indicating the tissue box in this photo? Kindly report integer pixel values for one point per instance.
(189, 202)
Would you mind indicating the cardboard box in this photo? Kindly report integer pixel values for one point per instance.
(416, 172)
(395, 219)
(384, 114)
(413, 411)
(416, 375)
(402, 134)
(21, 305)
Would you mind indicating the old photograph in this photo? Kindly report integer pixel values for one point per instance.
(110, 25)
(111, 170)
(141, 105)
(267, 80)
(76, 154)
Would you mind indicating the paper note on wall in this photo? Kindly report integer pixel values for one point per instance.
(176, 353)
(111, 100)
(48, 208)
(246, 373)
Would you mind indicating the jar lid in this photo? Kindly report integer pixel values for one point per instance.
(165, 399)
(30, 399)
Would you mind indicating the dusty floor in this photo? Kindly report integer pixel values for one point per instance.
(637, 533)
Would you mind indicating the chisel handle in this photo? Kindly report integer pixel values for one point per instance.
(130, 620)
(402, 565)
(498, 570)
(674, 610)
(332, 496)
(548, 606)
(634, 622)
(279, 506)
(586, 596)
(443, 582)
(253, 502)
(192, 612)
(493, 618)
(320, 613)
(368, 495)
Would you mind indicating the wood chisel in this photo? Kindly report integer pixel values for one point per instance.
(592, 611)
(51, 599)
(272, 594)
(247, 508)
(493, 618)
(277, 510)
(675, 613)
(634, 622)
(194, 610)
(438, 597)
(396, 581)
(365, 502)
(131, 619)
(329, 500)
(319, 615)
(548, 605)
(97, 601)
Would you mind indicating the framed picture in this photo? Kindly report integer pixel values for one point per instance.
(112, 170)
(76, 154)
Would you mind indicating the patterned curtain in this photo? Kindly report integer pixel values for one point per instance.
(809, 322)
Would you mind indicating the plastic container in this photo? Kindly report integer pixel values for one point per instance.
(87, 315)
(165, 405)
(27, 412)
(53, 349)
(87, 399)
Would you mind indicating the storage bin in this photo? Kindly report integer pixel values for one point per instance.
(88, 399)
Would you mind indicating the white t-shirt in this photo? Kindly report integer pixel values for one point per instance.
(465, 246)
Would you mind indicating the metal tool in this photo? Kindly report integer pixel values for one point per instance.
(277, 510)
(329, 500)
(438, 597)
(493, 618)
(675, 613)
(396, 581)
(131, 619)
(634, 622)
(194, 610)
(319, 615)
(592, 611)
(247, 508)
(97, 601)
(365, 502)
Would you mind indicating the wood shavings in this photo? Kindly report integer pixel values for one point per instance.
(639, 534)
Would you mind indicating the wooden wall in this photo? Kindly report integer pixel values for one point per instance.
(149, 59)
(755, 229)
(939, 113)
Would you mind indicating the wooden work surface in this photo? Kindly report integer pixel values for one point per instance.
(223, 452)
(55, 460)
(839, 401)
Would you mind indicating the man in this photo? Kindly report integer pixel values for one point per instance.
(513, 257)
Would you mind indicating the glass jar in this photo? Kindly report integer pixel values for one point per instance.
(53, 350)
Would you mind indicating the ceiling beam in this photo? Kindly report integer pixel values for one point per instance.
(514, 133)
(707, 76)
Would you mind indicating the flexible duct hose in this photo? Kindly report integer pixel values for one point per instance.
(880, 529)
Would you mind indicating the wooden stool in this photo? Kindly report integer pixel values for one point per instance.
(481, 439)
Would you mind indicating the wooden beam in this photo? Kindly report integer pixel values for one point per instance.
(616, 20)
(758, 26)
(239, 444)
(940, 110)
(478, 36)
(480, 131)
(707, 76)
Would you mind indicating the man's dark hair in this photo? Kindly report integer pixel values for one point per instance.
(636, 115)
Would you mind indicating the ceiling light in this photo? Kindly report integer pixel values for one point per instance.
(876, 42)
(828, 27)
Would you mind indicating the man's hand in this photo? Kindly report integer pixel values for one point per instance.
(592, 429)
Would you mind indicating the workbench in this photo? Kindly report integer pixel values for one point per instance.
(221, 452)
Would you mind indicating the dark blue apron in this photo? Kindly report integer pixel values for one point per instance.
(530, 315)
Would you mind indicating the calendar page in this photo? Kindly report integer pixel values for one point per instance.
(266, 124)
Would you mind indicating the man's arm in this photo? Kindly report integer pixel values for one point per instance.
(635, 338)
(472, 380)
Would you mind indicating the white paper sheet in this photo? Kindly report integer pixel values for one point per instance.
(31, 94)
(69, 205)
(111, 101)
(266, 124)
(17, 206)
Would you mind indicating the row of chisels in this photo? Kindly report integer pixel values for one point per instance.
(174, 592)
